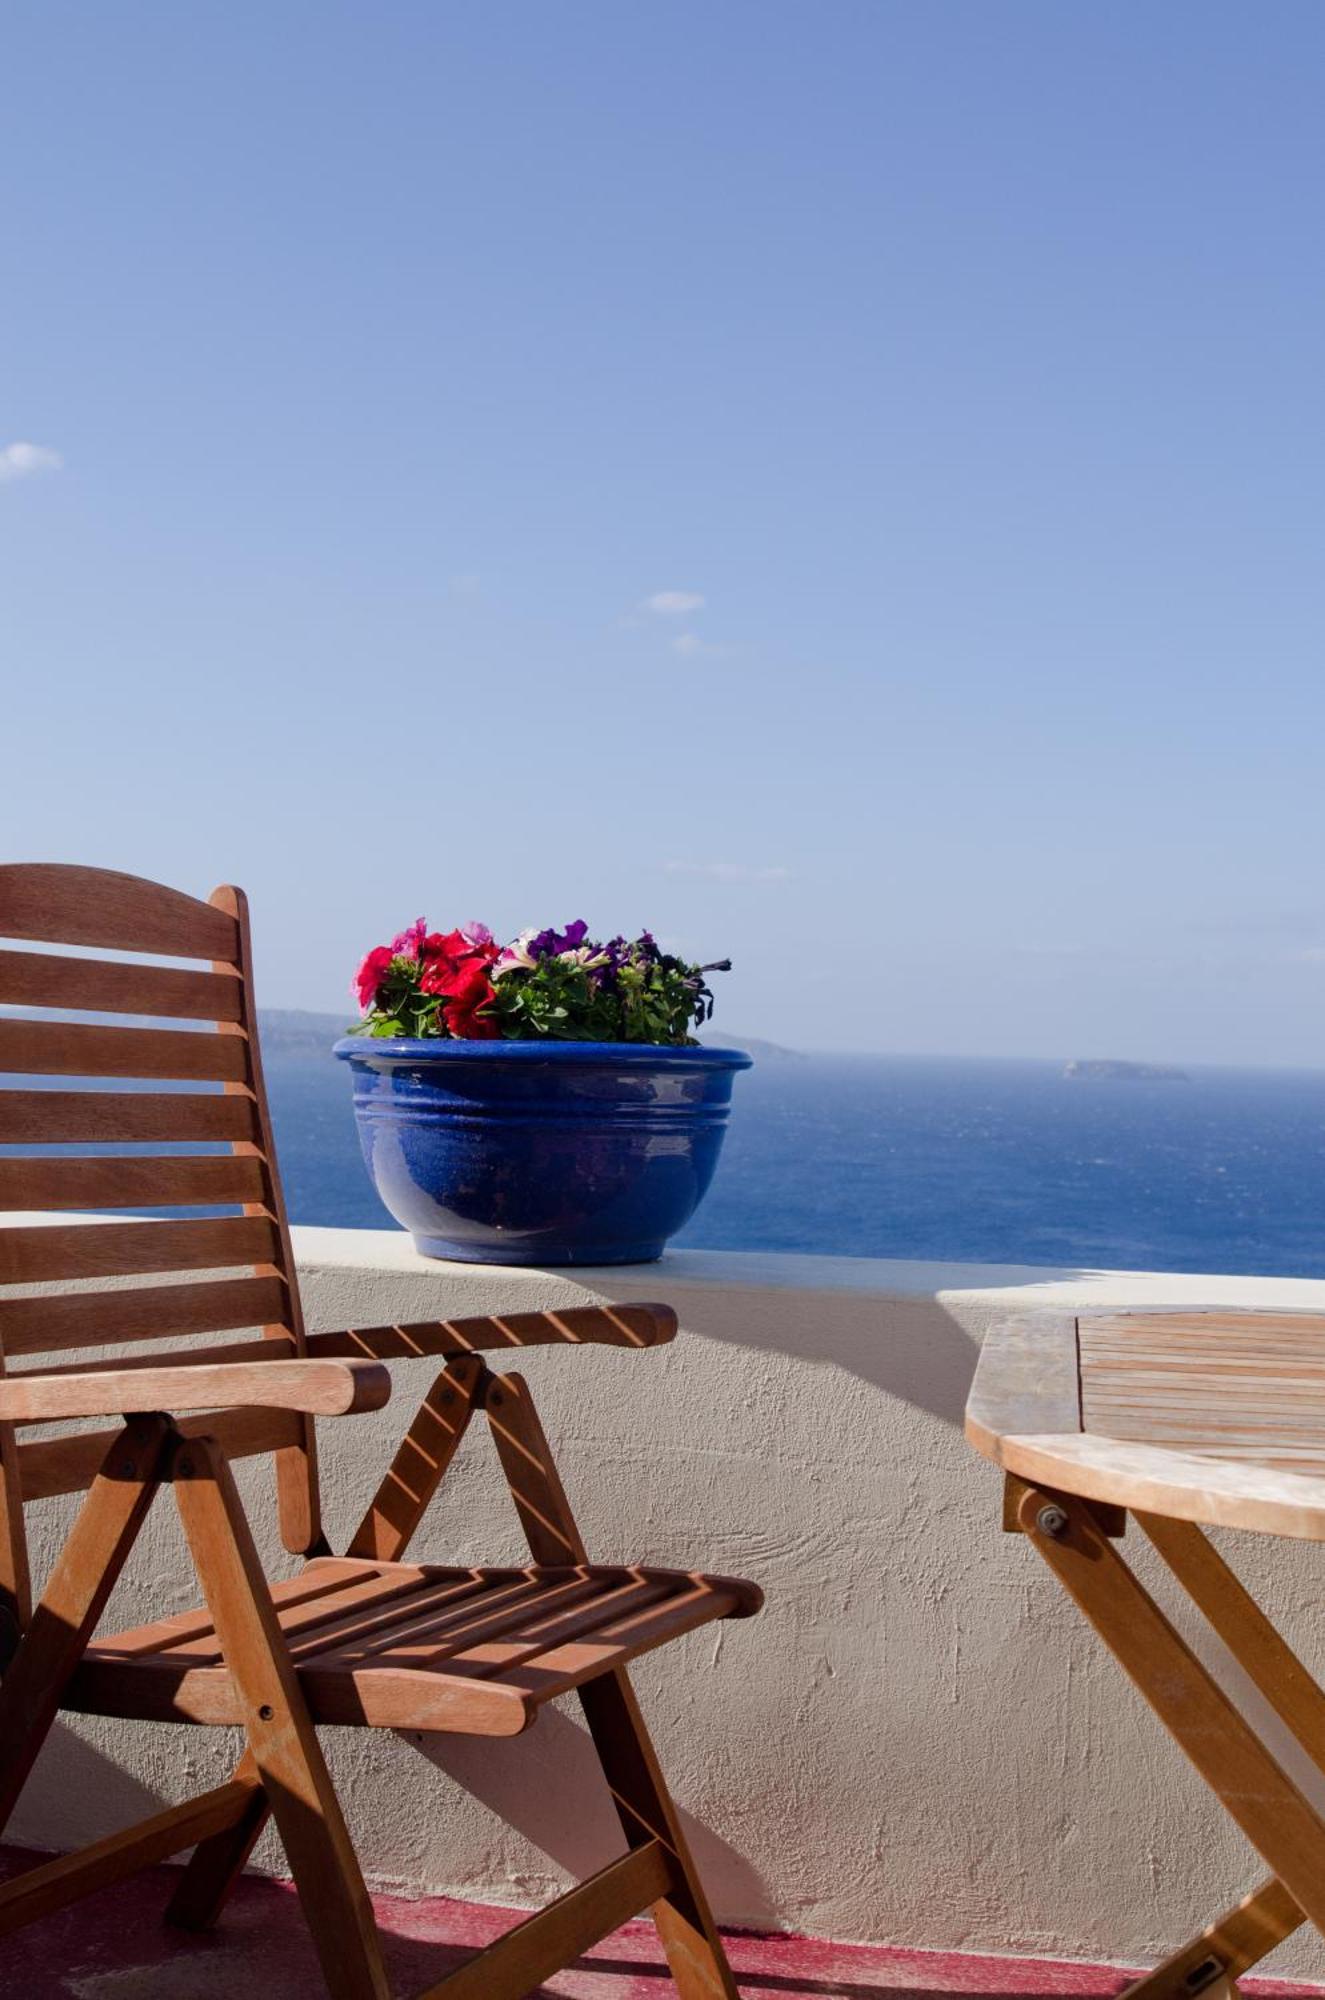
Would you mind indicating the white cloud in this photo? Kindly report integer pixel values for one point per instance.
(726, 871)
(20, 461)
(674, 603)
(691, 646)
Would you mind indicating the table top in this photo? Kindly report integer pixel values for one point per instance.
(1215, 1417)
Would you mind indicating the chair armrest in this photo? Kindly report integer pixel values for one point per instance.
(318, 1388)
(577, 1326)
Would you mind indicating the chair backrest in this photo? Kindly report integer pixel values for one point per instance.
(184, 1127)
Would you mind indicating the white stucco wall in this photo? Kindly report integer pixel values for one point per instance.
(917, 1741)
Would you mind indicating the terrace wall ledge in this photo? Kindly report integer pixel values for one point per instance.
(918, 1741)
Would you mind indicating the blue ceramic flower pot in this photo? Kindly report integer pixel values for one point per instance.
(540, 1152)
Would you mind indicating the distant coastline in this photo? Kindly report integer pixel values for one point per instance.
(297, 1031)
(1111, 1070)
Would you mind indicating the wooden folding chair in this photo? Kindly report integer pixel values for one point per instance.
(366, 1640)
(1180, 1418)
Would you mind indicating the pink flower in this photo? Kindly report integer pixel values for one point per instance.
(479, 936)
(371, 974)
(410, 943)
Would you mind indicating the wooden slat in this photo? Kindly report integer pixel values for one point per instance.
(33, 1254)
(64, 1048)
(126, 1117)
(54, 904)
(1026, 1379)
(53, 1466)
(426, 1638)
(1244, 1386)
(327, 1589)
(319, 1388)
(488, 1648)
(271, 1347)
(108, 1182)
(363, 1615)
(152, 1689)
(40, 1891)
(109, 986)
(152, 1312)
(557, 1669)
(526, 1956)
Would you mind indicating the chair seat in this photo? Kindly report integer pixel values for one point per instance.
(400, 1646)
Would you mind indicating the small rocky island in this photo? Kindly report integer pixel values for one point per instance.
(1113, 1071)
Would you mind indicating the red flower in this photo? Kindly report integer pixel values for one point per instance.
(469, 992)
(448, 976)
(370, 976)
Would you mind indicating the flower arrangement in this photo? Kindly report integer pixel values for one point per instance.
(546, 986)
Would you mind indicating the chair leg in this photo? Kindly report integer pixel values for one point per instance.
(644, 1806)
(84, 1575)
(280, 1731)
(695, 1951)
(1225, 1949)
(216, 1864)
(382, 1536)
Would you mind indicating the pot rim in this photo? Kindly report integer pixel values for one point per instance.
(435, 1048)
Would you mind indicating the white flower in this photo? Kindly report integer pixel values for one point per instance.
(517, 957)
(584, 955)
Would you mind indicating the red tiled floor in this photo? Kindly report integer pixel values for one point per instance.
(114, 1947)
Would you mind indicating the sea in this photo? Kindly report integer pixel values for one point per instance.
(966, 1161)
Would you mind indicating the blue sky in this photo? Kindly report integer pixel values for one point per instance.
(961, 363)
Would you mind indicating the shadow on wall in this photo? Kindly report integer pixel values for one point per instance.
(83, 1795)
(528, 1782)
(912, 1349)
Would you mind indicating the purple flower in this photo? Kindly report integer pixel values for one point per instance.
(476, 934)
(546, 944)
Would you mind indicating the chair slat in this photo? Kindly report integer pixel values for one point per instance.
(109, 986)
(108, 1182)
(154, 1312)
(62, 1048)
(120, 1249)
(268, 1347)
(53, 1466)
(54, 904)
(131, 1117)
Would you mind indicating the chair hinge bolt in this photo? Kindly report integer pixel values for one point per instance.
(1203, 1975)
(1051, 1521)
